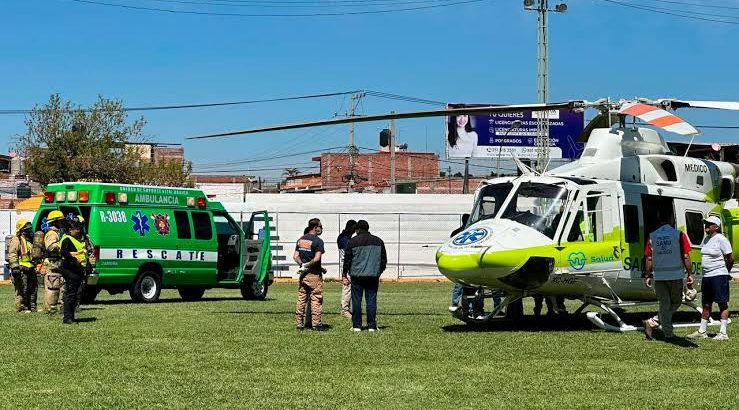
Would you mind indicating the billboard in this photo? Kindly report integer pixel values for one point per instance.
(485, 136)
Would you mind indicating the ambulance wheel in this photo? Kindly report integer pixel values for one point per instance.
(147, 287)
(252, 289)
(89, 293)
(191, 294)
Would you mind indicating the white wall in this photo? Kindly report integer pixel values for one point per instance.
(412, 226)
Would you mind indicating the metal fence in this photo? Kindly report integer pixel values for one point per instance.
(411, 239)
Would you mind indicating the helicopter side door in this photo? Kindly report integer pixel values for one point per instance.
(590, 243)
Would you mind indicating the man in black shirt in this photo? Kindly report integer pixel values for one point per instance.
(308, 252)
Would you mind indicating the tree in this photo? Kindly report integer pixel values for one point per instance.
(67, 143)
(290, 172)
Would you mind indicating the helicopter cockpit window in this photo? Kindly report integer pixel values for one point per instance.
(539, 206)
(489, 201)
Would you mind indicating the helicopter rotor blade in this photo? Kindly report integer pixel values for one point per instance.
(492, 109)
(719, 105)
(659, 118)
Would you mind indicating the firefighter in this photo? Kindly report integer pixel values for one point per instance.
(74, 256)
(22, 267)
(53, 279)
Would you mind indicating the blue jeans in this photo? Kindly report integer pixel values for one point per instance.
(456, 294)
(367, 286)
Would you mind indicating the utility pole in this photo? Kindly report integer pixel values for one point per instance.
(466, 179)
(542, 77)
(449, 177)
(392, 154)
(351, 148)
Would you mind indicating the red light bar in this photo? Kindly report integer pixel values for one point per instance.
(110, 197)
(201, 202)
(48, 196)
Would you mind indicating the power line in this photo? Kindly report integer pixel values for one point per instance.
(685, 3)
(403, 98)
(304, 4)
(676, 13)
(220, 171)
(320, 14)
(219, 104)
(275, 157)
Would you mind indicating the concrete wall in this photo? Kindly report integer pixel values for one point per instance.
(412, 226)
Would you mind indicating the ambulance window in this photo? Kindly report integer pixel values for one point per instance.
(183, 225)
(631, 223)
(224, 226)
(694, 227)
(203, 226)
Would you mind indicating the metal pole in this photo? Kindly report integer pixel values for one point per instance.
(398, 246)
(449, 177)
(351, 149)
(466, 179)
(392, 154)
(542, 123)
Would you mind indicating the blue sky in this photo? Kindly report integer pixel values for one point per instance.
(477, 52)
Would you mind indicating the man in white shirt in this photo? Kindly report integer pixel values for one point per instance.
(716, 260)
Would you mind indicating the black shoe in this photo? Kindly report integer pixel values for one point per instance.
(319, 328)
(69, 322)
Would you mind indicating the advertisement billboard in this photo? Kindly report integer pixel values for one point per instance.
(485, 136)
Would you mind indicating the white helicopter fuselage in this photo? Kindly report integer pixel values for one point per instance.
(579, 230)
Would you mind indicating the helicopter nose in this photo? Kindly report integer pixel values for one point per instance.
(456, 262)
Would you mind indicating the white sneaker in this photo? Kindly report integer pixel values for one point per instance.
(453, 308)
(372, 329)
(721, 336)
(698, 335)
(356, 329)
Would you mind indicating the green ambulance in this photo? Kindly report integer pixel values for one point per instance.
(147, 238)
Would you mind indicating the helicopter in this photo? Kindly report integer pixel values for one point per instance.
(578, 231)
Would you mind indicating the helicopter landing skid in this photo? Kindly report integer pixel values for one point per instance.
(623, 326)
(494, 315)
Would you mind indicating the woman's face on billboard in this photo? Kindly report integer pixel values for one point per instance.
(462, 120)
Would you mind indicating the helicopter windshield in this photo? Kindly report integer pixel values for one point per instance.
(540, 206)
(489, 201)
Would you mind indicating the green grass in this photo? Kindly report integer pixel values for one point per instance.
(225, 352)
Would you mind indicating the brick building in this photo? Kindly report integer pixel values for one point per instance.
(372, 170)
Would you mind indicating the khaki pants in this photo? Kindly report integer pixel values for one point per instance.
(346, 297)
(670, 296)
(26, 286)
(310, 286)
(53, 292)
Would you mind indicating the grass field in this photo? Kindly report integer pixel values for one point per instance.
(224, 352)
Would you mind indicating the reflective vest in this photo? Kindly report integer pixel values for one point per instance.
(25, 253)
(667, 260)
(587, 235)
(81, 250)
